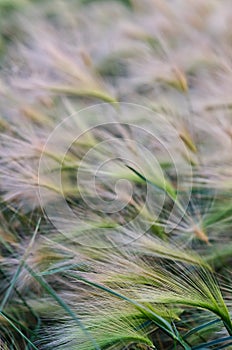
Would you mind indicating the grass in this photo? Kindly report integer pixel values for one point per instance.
(115, 175)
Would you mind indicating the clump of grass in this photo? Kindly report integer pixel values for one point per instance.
(106, 281)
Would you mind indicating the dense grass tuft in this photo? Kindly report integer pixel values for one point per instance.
(115, 175)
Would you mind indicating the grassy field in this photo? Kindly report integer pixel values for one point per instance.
(115, 174)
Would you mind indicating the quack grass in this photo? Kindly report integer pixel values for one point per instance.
(108, 281)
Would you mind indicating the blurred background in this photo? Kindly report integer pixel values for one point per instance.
(172, 56)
